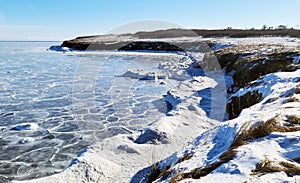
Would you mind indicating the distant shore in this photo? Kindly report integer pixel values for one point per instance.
(116, 41)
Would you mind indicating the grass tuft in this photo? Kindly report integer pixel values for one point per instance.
(292, 99)
(157, 173)
(268, 166)
(293, 120)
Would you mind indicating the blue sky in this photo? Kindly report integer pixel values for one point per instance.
(66, 19)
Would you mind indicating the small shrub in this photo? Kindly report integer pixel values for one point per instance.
(268, 166)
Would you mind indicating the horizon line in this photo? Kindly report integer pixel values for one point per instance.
(28, 41)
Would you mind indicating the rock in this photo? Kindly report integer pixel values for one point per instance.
(127, 149)
(144, 75)
(77, 45)
(150, 136)
(25, 126)
(237, 103)
(227, 60)
(82, 45)
(58, 48)
(151, 46)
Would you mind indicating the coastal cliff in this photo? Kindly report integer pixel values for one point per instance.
(116, 41)
(257, 142)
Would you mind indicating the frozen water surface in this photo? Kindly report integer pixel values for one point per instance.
(54, 104)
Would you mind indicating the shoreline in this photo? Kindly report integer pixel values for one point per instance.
(102, 158)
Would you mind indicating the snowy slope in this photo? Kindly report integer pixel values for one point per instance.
(206, 149)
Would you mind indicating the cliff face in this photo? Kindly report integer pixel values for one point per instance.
(81, 45)
(114, 42)
(124, 43)
(248, 65)
(237, 103)
(150, 46)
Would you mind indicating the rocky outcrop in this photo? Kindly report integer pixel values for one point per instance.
(247, 70)
(73, 44)
(245, 66)
(78, 44)
(227, 60)
(125, 45)
(137, 42)
(150, 46)
(248, 66)
(150, 136)
(237, 103)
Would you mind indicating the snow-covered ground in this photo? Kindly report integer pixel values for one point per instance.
(277, 89)
(188, 138)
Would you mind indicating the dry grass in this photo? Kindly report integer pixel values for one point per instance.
(165, 174)
(157, 173)
(293, 120)
(154, 174)
(268, 166)
(265, 128)
(184, 158)
(246, 133)
(297, 90)
(292, 99)
(201, 172)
